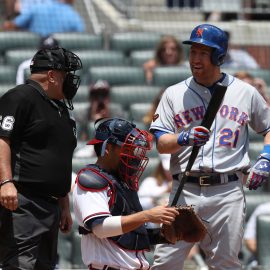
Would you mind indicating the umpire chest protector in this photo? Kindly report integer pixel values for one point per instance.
(123, 202)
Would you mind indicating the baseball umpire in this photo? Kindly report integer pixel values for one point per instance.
(37, 139)
(106, 203)
(214, 184)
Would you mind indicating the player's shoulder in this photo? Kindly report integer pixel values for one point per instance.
(178, 87)
(92, 179)
(18, 92)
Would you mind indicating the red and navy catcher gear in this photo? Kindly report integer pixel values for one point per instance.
(134, 145)
(211, 36)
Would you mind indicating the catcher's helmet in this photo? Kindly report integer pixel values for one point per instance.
(134, 144)
(213, 37)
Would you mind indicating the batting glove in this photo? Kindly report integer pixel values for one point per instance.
(197, 136)
(259, 172)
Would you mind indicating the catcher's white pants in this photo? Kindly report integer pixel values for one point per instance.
(223, 207)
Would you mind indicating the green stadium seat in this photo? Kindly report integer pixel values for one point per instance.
(129, 94)
(138, 58)
(117, 75)
(79, 163)
(138, 111)
(5, 87)
(166, 76)
(255, 148)
(130, 41)
(150, 168)
(253, 199)
(17, 39)
(7, 74)
(76, 258)
(101, 58)
(261, 73)
(253, 136)
(79, 41)
(16, 57)
(64, 250)
(263, 241)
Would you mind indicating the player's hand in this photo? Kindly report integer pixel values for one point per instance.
(9, 196)
(162, 214)
(259, 172)
(197, 136)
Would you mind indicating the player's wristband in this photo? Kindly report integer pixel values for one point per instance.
(266, 149)
(6, 181)
(265, 154)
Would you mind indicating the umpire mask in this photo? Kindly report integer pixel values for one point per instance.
(58, 58)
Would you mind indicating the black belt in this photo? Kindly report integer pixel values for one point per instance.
(208, 180)
(105, 267)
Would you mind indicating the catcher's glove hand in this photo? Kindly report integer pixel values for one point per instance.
(187, 226)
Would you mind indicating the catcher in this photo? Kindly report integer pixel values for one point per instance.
(106, 203)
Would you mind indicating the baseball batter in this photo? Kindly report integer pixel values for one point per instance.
(106, 203)
(215, 185)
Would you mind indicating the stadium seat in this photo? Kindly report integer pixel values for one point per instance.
(138, 111)
(263, 241)
(118, 75)
(138, 58)
(17, 39)
(76, 258)
(79, 163)
(255, 148)
(129, 94)
(261, 73)
(253, 136)
(79, 41)
(5, 87)
(130, 41)
(253, 199)
(166, 76)
(65, 250)
(16, 57)
(91, 58)
(150, 168)
(7, 74)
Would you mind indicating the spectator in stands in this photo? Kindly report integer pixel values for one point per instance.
(258, 83)
(45, 43)
(155, 189)
(250, 231)
(168, 52)
(22, 5)
(47, 18)
(238, 58)
(147, 119)
(99, 103)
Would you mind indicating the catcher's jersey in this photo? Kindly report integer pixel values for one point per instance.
(90, 205)
(183, 106)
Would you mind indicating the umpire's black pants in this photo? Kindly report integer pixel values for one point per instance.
(28, 235)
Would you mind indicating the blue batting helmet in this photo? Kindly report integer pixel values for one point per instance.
(211, 36)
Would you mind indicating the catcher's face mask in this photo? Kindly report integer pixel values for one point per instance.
(133, 159)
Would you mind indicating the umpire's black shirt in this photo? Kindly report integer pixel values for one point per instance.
(42, 139)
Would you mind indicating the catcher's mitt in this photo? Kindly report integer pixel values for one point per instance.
(187, 226)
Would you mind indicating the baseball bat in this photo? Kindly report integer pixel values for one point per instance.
(207, 121)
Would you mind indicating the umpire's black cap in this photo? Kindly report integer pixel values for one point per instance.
(55, 58)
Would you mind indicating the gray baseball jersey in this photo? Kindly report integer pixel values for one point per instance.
(183, 106)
